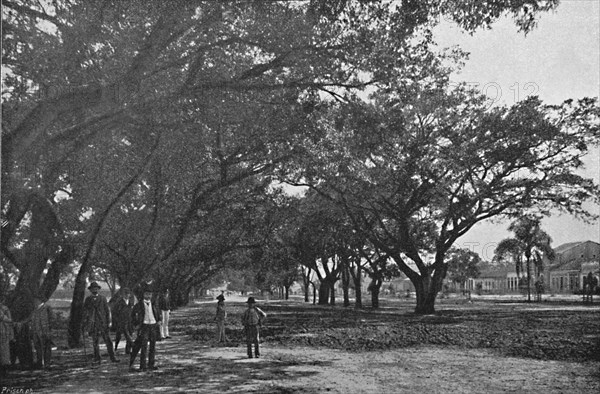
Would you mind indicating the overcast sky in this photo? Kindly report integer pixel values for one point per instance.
(556, 61)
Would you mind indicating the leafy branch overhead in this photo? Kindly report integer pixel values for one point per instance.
(153, 135)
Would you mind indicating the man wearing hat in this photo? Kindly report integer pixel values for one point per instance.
(97, 320)
(147, 317)
(220, 318)
(252, 320)
(122, 319)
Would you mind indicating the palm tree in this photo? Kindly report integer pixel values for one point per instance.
(531, 243)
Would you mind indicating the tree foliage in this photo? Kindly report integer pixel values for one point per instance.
(134, 125)
(415, 174)
(462, 265)
(530, 244)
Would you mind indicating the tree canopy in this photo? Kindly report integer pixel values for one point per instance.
(415, 174)
(142, 137)
(462, 265)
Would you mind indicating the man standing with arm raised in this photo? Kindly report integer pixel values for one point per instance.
(252, 320)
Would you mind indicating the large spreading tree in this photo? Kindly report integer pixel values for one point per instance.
(414, 174)
(121, 116)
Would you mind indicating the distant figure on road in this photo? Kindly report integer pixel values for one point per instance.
(252, 320)
(96, 321)
(41, 333)
(146, 318)
(164, 303)
(220, 319)
(122, 319)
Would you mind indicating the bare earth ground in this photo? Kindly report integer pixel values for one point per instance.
(482, 347)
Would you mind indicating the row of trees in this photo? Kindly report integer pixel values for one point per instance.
(146, 140)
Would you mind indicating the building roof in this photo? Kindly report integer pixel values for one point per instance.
(496, 272)
(564, 247)
(573, 264)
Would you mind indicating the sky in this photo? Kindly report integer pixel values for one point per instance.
(558, 60)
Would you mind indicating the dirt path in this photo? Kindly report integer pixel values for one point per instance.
(199, 366)
(308, 370)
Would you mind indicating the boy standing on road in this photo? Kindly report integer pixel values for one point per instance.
(252, 320)
(220, 318)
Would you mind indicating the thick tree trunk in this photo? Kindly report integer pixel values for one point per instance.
(345, 271)
(306, 290)
(32, 263)
(53, 275)
(21, 306)
(332, 293)
(358, 287)
(375, 287)
(37, 277)
(528, 280)
(425, 301)
(346, 288)
(76, 314)
(324, 289)
(375, 298)
(427, 289)
(306, 282)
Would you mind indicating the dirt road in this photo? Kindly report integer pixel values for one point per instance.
(192, 362)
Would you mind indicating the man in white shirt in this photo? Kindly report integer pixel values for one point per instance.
(164, 303)
(146, 316)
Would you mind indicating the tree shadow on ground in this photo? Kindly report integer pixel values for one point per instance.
(193, 361)
(183, 366)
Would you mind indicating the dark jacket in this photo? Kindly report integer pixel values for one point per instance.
(96, 314)
(253, 317)
(138, 313)
(164, 302)
(122, 316)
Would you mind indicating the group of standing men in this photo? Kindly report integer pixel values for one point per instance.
(252, 320)
(149, 317)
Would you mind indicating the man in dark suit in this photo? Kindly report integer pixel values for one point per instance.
(122, 319)
(96, 321)
(146, 318)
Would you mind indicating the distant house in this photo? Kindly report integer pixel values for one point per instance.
(573, 261)
(564, 274)
(494, 280)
